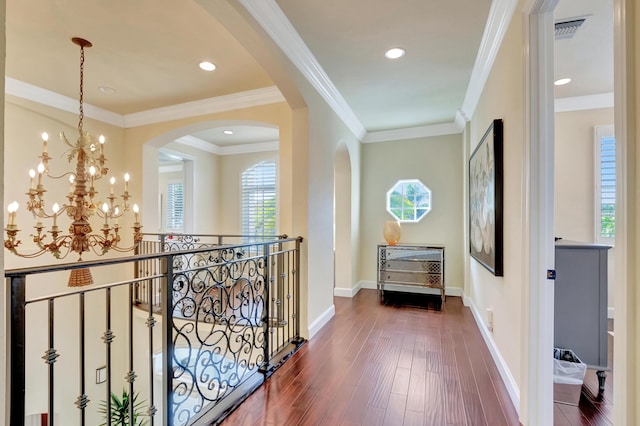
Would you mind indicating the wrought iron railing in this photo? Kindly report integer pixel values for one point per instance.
(227, 316)
(164, 242)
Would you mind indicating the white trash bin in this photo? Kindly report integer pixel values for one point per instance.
(568, 376)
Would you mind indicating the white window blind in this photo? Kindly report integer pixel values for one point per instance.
(175, 206)
(259, 199)
(605, 184)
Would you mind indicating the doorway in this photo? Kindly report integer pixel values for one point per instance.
(342, 237)
(540, 128)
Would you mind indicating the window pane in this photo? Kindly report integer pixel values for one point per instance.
(423, 200)
(259, 200)
(407, 215)
(409, 200)
(420, 213)
(395, 200)
(607, 186)
(175, 206)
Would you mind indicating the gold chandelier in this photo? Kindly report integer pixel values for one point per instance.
(82, 201)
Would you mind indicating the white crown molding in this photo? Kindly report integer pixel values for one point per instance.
(247, 99)
(37, 94)
(265, 96)
(498, 21)
(271, 18)
(413, 132)
(461, 119)
(578, 103)
(198, 143)
(247, 148)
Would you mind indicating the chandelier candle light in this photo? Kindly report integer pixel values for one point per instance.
(82, 202)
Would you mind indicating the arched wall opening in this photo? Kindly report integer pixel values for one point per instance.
(211, 178)
(342, 243)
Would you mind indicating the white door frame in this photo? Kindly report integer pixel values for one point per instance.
(539, 169)
(538, 190)
(625, 383)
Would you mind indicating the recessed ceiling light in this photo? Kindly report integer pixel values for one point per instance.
(106, 89)
(394, 53)
(227, 132)
(562, 81)
(207, 66)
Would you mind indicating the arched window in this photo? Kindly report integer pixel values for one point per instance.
(259, 199)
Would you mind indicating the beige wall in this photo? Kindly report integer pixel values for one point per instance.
(435, 161)
(202, 194)
(575, 179)
(326, 133)
(3, 291)
(503, 98)
(574, 172)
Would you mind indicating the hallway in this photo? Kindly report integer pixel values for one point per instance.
(375, 364)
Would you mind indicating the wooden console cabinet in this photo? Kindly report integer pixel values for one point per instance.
(412, 269)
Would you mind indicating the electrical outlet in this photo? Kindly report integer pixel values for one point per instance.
(490, 319)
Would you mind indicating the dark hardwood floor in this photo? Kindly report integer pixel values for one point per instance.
(593, 409)
(375, 364)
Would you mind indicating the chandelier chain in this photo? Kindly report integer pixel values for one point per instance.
(81, 90)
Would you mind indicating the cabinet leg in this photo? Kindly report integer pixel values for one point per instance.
(602, 376)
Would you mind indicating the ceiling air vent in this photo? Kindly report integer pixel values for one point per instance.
(566, 28)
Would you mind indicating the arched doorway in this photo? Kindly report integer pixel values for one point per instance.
(210, 160)
(342, 235)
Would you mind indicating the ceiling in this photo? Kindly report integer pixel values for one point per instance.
(587, 57)
(147, 51)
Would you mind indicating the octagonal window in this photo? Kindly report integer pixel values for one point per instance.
(409, 200)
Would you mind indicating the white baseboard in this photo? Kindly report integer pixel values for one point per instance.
(610, 313)
(321, 321)
(371, 285)
(346, 291)
(454, 291)
(351, 292)
(503, 369)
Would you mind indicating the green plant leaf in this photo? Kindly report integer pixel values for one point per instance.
(120, 410)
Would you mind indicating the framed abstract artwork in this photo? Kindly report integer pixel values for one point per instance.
(486, 199)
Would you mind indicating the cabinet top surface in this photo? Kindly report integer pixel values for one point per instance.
(412, 246)
(580, 245)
